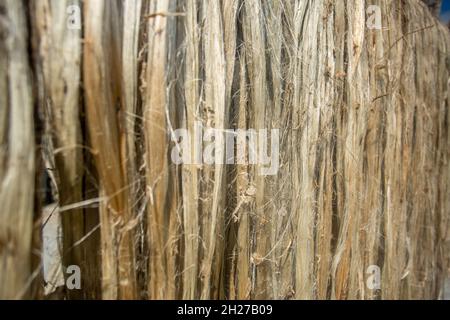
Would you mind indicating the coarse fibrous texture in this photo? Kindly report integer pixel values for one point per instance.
(362, 112)
(350, 105)
(163, 225)
(59, 59)
(17, 156)
(102, 81)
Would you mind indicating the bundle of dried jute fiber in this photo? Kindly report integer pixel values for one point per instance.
(235, 149)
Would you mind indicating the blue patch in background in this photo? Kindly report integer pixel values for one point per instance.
(445, 11)
(446, 5)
